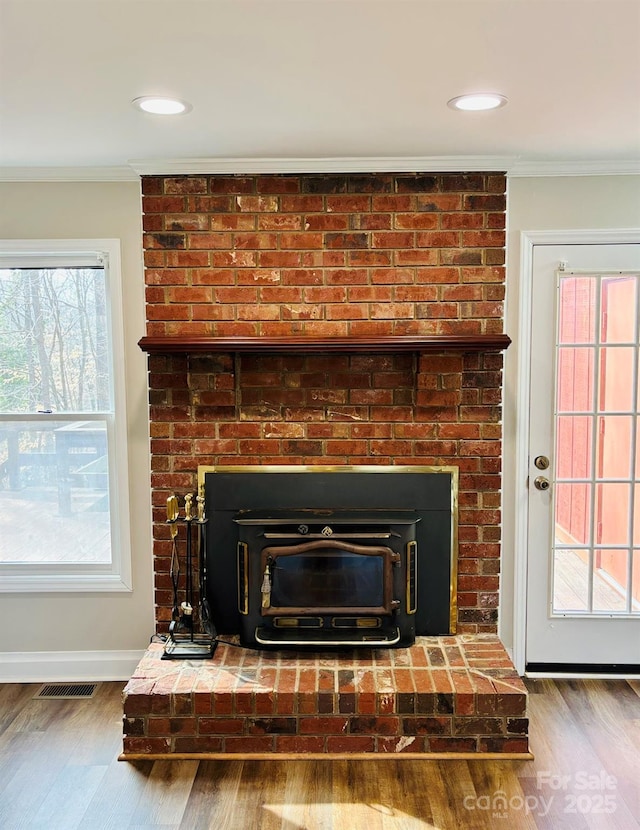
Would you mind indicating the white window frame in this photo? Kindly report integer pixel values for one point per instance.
(116, 576)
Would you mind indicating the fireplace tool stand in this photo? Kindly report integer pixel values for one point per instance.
(183, 642)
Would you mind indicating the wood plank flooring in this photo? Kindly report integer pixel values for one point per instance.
(59, 771)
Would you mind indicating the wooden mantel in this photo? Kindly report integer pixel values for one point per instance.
(185, 344)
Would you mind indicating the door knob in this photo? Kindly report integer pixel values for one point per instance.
(541, 462)
(541, 483)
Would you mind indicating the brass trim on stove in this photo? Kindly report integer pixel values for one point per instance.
(297, 622)
(452, 470)
(324, 536)
(243, 578)
(453, 581)
(412, 566)
(356, 622)
(365, 640)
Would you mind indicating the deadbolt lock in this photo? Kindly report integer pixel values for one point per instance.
(541, 462)
(541, 483)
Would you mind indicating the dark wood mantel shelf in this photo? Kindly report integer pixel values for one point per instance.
(184, 344)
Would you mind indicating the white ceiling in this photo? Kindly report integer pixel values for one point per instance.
(317, 79)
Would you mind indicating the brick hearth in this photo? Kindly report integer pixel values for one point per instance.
(458, 694)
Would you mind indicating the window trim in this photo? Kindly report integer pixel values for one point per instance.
(116, 577)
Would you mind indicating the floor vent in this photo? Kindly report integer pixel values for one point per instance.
(66, 691)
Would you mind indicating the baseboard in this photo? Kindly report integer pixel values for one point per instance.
(617, 671)
(67, 666)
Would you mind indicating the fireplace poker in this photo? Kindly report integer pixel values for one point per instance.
(205, 611)
(187, 605)
(174, 572)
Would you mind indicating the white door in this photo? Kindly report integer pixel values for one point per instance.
(583, 560)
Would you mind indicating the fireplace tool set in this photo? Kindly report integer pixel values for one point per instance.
(184, 641)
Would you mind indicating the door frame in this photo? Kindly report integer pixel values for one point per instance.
(528, 240)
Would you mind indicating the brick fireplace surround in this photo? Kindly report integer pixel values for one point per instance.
(375, 255)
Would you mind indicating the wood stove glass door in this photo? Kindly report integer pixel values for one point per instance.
(328, 577)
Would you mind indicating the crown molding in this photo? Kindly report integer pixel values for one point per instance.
(513, 166)
(347, 164)
(68, 174)
(522, 168)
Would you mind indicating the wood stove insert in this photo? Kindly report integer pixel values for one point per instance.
(327, 578)
(275, 527)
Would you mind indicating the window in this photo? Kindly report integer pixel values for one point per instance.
(63, 460)
(597, 493)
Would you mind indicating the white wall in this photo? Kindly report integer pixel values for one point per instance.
(71, 624)
(538, 204)
(43, 626)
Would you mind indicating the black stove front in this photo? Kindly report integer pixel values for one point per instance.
(364, 555)
(327, 577)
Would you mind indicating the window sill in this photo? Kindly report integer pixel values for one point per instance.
(40, 583)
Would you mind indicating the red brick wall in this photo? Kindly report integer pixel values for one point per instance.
(359, 255)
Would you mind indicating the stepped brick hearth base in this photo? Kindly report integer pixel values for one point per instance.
(445, 695)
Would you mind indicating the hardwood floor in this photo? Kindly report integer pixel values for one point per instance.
(59, 771)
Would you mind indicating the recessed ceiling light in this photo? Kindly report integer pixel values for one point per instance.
(477, 102)
(157, 105)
